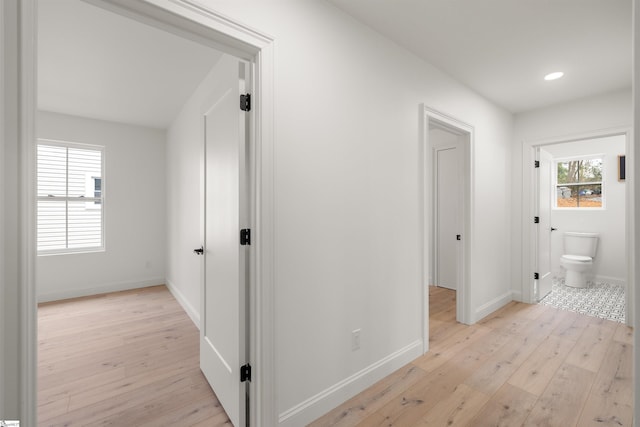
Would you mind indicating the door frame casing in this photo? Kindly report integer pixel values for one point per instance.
(429, 117)
(529, 255)
(191, 20)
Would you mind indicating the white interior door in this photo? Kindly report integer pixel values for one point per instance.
(223, 331)
(544, 226)
(447, 216)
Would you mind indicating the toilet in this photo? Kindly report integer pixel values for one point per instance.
(579, 249)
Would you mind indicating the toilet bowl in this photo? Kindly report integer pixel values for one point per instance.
(580, 248)
(576, 266)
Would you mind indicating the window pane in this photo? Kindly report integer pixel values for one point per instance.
(567, 197)
(85, 225)
(579, 196)
(63, 173)
(52, 225)
(590, 196)
(569, 172)
(52, 171)
(591, 170)
(84, 167)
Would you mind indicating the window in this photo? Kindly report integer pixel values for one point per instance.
(579, 183)
(70, 197)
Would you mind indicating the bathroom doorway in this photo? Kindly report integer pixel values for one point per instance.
(583, 192)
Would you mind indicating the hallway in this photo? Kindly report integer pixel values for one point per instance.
(528, 365)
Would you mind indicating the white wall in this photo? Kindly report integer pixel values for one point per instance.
(10, 349)
(612, 110)
(184, 153)
(134, 211)
(610, 261)
(347, 200)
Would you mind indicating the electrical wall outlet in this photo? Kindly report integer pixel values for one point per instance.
(355, 339)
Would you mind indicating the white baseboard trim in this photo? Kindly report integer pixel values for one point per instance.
(612, 280)
(99, 289)
(186, 305)
(493, 305)
(318, 405)
(516, 295)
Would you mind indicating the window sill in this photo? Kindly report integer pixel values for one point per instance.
(71, 252)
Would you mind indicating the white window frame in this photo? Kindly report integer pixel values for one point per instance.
(88, 200)
(601, 182)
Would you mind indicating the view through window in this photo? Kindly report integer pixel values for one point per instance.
(579, 183)
(70, 197)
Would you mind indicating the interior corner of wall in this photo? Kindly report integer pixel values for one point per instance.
(192, 312)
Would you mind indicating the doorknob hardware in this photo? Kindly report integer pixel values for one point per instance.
(553, 229)
(458, 237)
(199, 251)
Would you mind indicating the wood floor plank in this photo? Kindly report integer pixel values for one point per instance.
(125, 358)
(492, 374)
(457, 409)
(591, 347)
(624, 334)
(101, 391)
(535, 373)
(610, 402)
(509, 407)
(442, 352)
(573, 327)
(415, 402)
(563, 399)
(355, 410)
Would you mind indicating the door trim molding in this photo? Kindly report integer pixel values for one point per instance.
(430, 117)
(528, 210)
(188, 19)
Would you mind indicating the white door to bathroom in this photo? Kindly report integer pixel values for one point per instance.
(447, 216)
(223, 331)
(544, 226)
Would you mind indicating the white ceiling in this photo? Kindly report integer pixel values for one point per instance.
(94, 63)
(503, 48)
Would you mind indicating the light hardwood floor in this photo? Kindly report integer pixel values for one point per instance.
(525, 365)
(122, 359)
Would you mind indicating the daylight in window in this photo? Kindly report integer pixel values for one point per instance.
(70, 198)
(579, 183)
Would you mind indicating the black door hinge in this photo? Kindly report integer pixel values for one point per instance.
(536, 276)
(536, 220)
(536, 163)
(245, 236)
(245, 373)
(245, 102)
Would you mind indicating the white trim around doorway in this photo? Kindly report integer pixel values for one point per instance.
(528, 211)
(188, 19)
(430, 117)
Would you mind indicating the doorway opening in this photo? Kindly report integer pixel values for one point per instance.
(132, 102)
(447, 226)
(197, 24)
(581, 206)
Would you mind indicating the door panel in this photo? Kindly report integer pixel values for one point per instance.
(544, 227)
(448, 188)
(223, 327)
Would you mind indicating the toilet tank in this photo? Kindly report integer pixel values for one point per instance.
(584, 244)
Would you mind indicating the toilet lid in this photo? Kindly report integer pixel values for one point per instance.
(579, 258)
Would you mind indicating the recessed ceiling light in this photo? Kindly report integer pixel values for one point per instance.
(554, 76)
